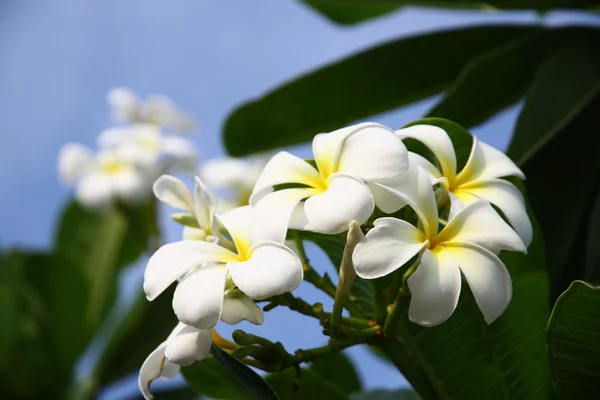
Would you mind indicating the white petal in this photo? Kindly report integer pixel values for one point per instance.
(123, 102)
(204, 205)
(190, 233)
(273, 213)
(151, 369)
(272, 269)
(487, 277)
(385, 199)
(236, 310)
(238, 223)
(237, 173)
(112, 137)
(173, 192)
(131, 185)
(188, 346)
(438, 141)
(173, 260)
(285, 168)
(346, 199)
(479, 223)
(198, 298)
(373, 151)
(414, 188)
(179, 150)
(434, 174)
(74, 160)
(458, 202)
(386, 247)
(95, 190)
(434, 288)
(509, 200)
(485, 162)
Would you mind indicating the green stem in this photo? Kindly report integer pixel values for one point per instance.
(404, 290)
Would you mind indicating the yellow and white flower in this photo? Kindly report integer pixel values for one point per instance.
(468, 244)
(259, 267)
(479, 179)
(326, 198)
(148, 147)
(101, 178)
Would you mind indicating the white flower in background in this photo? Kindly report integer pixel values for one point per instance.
(326, 198)
(157, 110)
(147, 146)
(468, 244)
(260, 267)
(237, 176)
(101, 178)
(202, 205)
(479, 179)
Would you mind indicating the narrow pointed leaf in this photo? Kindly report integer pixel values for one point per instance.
(368, 83)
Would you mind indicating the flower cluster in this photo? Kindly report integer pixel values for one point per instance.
(130, 156)
(363, 176)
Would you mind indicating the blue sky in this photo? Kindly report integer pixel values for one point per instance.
(58, 59)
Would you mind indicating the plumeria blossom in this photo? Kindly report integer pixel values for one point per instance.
(468, 244)
(236, 176)
(147, 146)
(185, 346)
(202, 205)
(156, 110)
(101, 178)
(479, 179)
(259, 266)
(327, 197)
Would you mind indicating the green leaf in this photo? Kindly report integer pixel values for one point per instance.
(333, 246)
(379, 79)
(350, 13)
(339, 370)
(495, 80)
(245, 376)
(573, 345)
(464, 358)
(209, 378)
(400, 394)
(309, 385)
(146, 326)
(555, 143)
(344, 12)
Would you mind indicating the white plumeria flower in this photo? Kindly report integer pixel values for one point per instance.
(156, 110)
(237, 175)
(202, 205)
(479, 179)
(468, 244)
(184, 346)
(338, 191)
(146, 146)
(260, 267)
(101, 178)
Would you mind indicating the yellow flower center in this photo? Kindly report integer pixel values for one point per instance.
(113, 167)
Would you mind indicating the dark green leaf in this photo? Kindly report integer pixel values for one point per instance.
(400, 394)
(345, 12)
(350, 13)
(339, 370)
(464, 358)
(377, 80)
(146, 326)
(495, 80)
(30, 324)
(209, 378)
(555, 143)
(309, 385)
(245, 376)
(573, 345)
